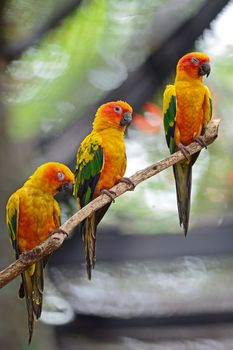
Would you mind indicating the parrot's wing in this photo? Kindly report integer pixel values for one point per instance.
(169, 111)
(90, 160)
(207, 107)
(57, 222)
(12, 218)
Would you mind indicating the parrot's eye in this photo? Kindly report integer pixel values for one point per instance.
(195, 60)
(60, 176)
(117, 109)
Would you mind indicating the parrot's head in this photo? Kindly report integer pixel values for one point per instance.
(53, 177)
(116, 115)
(194, 65)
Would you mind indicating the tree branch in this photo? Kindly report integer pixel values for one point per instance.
(56, 239)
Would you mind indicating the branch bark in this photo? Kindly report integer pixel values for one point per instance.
(56, 239)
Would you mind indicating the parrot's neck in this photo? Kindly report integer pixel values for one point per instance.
(112, 133)
(182, 75)
(101, 125)
(37, 185)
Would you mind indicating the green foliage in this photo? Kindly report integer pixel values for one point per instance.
(49, 77)
(77, 63)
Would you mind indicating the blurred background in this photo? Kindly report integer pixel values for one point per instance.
(152, 289)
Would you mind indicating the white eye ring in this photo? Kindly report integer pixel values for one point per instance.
(195, 60)
(60, 176)
(118, 109)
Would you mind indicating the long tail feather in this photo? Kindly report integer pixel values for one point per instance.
(37, 287)
(32, 288)
(101, 212)
(89, 237)
(183, 179)
(28, 296)
(90, 244)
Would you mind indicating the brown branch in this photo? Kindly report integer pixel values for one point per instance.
(56, 239)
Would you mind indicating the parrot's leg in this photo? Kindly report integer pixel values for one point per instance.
(127, 181)
(184, 150)
(200, 140)
(109, 193)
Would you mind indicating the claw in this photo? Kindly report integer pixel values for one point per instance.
(200, 140)
(59, 230)
(184, 150)
(127, 181)
(29, 255)
(109, 193)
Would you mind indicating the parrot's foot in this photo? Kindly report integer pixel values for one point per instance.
(184, 150)
(30, 254)
(200, 140)
(109, 193)
(59, 230)
(127, 181)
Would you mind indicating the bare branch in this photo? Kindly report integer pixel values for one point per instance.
(56, 239)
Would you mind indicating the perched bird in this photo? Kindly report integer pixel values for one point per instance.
(32, 214)
(101, 163)
(187, 109)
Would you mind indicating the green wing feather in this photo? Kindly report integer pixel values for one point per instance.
(169, 110)
(182, 170)
(90, 160)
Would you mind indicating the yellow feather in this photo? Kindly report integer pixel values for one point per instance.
(168, 93)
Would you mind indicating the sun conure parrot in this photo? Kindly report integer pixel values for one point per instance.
(32, 214)
(187, 109)
(101, 163)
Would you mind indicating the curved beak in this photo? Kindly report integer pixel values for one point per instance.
(66, 187)
(126, 119)
(204, 69)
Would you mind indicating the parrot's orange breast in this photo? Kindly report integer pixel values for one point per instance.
(114, 159)
(36, 219)
(189, 114)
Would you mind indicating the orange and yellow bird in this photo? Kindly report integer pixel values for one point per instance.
(32, 214)
(187, 109)
(101, 163)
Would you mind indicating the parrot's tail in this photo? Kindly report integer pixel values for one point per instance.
(89, 238)
(88, 228)
(183, 177)
(32, 289)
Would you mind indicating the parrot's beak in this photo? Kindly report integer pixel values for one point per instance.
(66, 187)
(204, 69)
(126, 119)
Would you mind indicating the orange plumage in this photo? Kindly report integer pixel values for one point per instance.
(108, 125)
(32, 214)
(101, 163)
(187, 110)
(191, 94)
